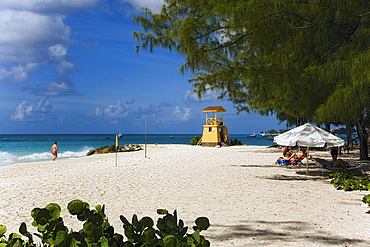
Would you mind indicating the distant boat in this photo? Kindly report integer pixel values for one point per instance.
(108, 137)
(271, 137)
(252, 135)
(263, 133)
(119, 134)
(171, 136)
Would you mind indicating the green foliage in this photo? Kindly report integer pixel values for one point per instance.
(195, 140)
(343, 180)
(171, 231)
(97, 231)
(300, 60)
(236, 142)
(366, 199)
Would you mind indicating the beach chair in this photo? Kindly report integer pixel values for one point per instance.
(328, 165)
(289, 162)
(299, 162)
(283, 162)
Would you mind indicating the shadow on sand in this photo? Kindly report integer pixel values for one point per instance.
(260, 233)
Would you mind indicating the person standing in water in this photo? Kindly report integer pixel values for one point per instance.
(54, 150)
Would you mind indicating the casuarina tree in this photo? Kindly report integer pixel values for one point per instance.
(303, 60)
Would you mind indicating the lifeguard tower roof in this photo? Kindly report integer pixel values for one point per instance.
(214, 109)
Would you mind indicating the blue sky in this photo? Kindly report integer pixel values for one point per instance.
(70, 66)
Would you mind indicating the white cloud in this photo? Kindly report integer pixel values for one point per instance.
(57, 51)
(182, 114)
(164, 113)
(46, 5)
(153, 5)
(26, 36)
(54, 89)
(17, 74)
(190, 96)
(25, 112)
(98, 112)
(114, 111)
(64, 66)
(34, 32)
(57, 54)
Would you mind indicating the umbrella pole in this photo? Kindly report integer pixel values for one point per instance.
(307, 160)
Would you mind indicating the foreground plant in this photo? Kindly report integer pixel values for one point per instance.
(343, 180)
(97, 231)
(366, 200)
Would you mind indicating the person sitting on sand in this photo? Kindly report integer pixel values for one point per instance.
(287, 157)
(302, 156)
(341, 164)
(54, 150)
(287, 152)
(294, 158)
(298, 158)
(324, 163)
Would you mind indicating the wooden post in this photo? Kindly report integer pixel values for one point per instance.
(145, 141)
(116, 150)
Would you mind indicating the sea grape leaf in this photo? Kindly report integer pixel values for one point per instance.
(149, 235)
(196, 235)
(135, 221)
(76, 206)
(162, 211)
(105, 226)
(170, 221)
(23, 229)
(59, 238)
(202, 223)
(147, 221)
(54, 210)
(96, 219)
(41, 216)
(183, 231)
(84, 214)
(14, 236)
(124, 220)
(3, 230)
(103, 242)
(169, 241)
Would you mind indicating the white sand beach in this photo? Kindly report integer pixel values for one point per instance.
(248, 199)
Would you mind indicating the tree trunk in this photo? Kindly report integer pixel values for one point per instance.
(327, 127)
(362, 136)
(349, 136)
(300, 121)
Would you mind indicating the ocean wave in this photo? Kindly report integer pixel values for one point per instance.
(7, 158)
(35, 156)
(70, 154)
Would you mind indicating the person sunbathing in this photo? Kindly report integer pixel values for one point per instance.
(341, 164)
(298, 158)
(287, 153)
(287, 158)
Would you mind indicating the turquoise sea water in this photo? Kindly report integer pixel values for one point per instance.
(29, 148)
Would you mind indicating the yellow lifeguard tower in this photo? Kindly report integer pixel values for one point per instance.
(214, 131)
